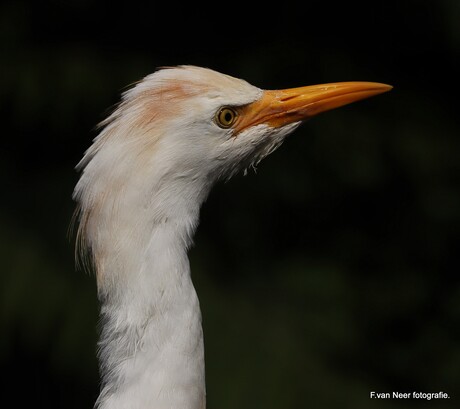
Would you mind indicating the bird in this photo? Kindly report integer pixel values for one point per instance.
(156, 157)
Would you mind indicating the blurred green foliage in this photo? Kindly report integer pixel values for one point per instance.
(331, 273)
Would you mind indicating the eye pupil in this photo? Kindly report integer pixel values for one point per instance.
(226, 117)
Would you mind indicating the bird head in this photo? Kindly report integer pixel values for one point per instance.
(191, 122)
(181, 129)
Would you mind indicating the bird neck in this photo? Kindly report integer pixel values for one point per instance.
(151, 346)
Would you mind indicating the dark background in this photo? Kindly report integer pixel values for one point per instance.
(331, 273)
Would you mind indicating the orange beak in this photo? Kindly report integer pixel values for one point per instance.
(283, 107)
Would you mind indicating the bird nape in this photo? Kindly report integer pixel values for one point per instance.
(174, 134)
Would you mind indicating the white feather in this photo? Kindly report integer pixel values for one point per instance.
(142, 184)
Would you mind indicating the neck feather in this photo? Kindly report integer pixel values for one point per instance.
(151, 347)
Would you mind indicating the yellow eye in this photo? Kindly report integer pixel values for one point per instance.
(226, 117)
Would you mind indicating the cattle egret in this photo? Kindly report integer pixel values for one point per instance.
(143, 180)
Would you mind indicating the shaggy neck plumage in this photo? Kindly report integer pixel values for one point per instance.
(151, 347)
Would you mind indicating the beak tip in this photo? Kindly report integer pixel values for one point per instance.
(388, 87)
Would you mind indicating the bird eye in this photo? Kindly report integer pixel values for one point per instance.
(226, 117)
